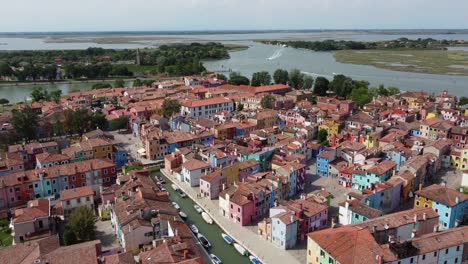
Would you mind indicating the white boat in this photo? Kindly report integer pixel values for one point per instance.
(183, 195)
(241, 249)
(254, 260)
(198, 208)
(207, 218)
(174, 187)
(183, 215)
(176, 206)
(194, 229)
(203, 240)
(215, 259)
(227, 238)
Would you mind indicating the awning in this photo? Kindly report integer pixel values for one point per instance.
(141, 151)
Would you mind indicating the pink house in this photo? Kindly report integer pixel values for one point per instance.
(212, 184)
(242, 208)
(31, 222)
(247, 168)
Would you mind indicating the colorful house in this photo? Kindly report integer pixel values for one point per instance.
(330, 126)
(378, 173)
(452, 206)
(323, 159)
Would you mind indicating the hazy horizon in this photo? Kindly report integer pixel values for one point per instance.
(33, 16)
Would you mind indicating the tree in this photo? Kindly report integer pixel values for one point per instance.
(98, 120)
(236, 79)
(101, 85)
(222, 77)
(361, 96)
(341, 85)
(393, 90)
(3, 102)
(321, 86)
(268, 101)
(239, 107)
(119, 83)
(38, 94)
(81, 225)
(322, 137)
(55, 96)
(5, 69)
(261, 78)
(463, 100)
(170, 106)
(308, 82)
(25, 123)
(296, 79)
(137, 83)
(118, 123)
(281, 76)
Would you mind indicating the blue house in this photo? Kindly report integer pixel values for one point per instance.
(452, 206)
(283, 229)
(398, 156)
(120, 156)
(379, 173)
(323, 159)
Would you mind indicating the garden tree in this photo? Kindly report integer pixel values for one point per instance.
(321, 86)
(463, 100)
(39, 94)
(240, 107)
(120, 70)
(55, 96)
(98, 120)
(361, 96)
(25, 122)
(101, 85)
(268, 101)
(322, 136)
(296, 79)
(148, 82)
(137, 83)
(170, 106)
(261, 78)
(393, 90)
(281, 76)
(118, 123)
(79, 121)
(81, 226)
(236, 78)
(3, 102)
(222, 77)
(308, 82)
(341, 85)
(119, 83)
(382, 91)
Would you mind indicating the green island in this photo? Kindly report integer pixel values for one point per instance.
(94, 63)
(420, 55)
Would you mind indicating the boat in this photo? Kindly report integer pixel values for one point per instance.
(241, 249)
(183, 215)
(176, 206)
(198, 208)
(254, 260)
(174, 187)
(183, 195)
(207, 218)
(215, 259)
(227, 238)
(203, 240)
(194, 229)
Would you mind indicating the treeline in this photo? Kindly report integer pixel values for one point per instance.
(177, 59)
(401, 43)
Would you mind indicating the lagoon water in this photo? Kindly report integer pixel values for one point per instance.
(258, 57)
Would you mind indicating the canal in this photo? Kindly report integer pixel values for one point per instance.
(219, 247)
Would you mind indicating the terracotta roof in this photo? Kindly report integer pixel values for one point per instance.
(382, 167)
(76, 193)
(51, 157)
(194, 164)
(36, 209)
(87, 252)
(210, 101)
(29, 251)
(348, 244)
(441, 240)
(442, 195)
(122, 258)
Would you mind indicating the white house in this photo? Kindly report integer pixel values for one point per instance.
(76, 197)
(193, 169)
(206, 108)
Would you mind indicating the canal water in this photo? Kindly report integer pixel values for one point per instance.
(219, 247)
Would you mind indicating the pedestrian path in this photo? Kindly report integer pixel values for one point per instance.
(262, 249)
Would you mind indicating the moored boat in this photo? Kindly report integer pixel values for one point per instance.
(203, 240)
(215, 259)
(207, 218)
(194, 229)
(183, 215)
(241, 249)
(227, 238)
(183, 195)
(174, 187)
(176, 206)
(254, 260)
(198, 208)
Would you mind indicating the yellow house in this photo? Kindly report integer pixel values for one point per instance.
(313, 254)
(459, 159)
(421, 202)
(102, 148)
(371, 141)
(231, 173)
(431, 115)
(466, 111)
(330, 126)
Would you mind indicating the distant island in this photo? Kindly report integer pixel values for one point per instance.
(420, 55)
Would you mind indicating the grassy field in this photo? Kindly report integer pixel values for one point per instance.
(235, 47)
(421, 61)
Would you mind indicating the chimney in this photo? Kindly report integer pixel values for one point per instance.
(346, 205)
(130, 228)
(292, 218)
(333, 222)
(374, 228)
(413, 233)
(436, 228)
(457, 222)
(424, 216)
(457, 200)
(415, 218)
(186, 254)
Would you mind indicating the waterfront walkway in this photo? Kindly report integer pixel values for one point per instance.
(265, 251)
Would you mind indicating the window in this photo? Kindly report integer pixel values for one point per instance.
(238, 210)
(36, 186)
(458, 248)
(65, 179)
(87, 199)
(456, 260)
(417, 203)
(68, 202)
(83, 184)
(78, 200)
(424, 256)
(411, 260)
(232, 207)
(82, 176)
(73, 178)
(446, 251)
(48, 183)
(53, 181)
(435, 254)
(446, 214)
(113, 170)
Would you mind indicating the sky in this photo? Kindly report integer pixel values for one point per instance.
(162, 15)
